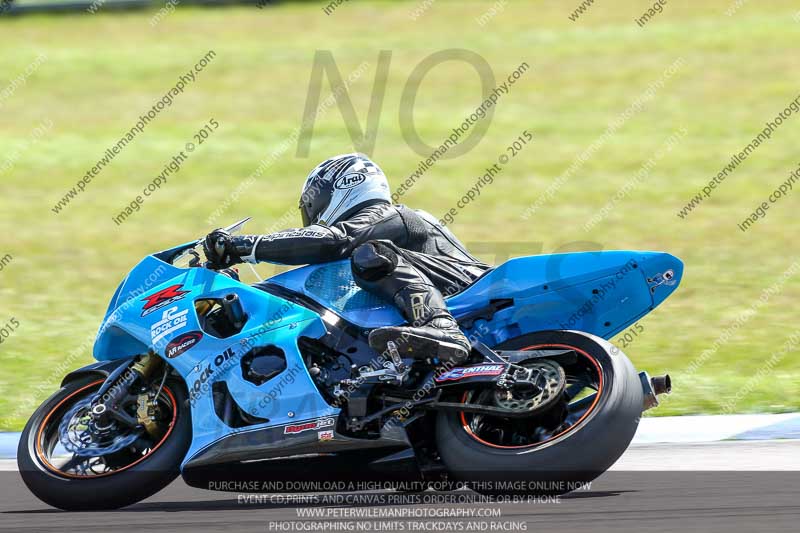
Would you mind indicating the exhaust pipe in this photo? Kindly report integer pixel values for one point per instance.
(661, 384)
(653, 387)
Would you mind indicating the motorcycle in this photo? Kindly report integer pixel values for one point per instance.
(274, 388)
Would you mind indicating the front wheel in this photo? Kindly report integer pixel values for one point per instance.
(554, 452)
(70, 463)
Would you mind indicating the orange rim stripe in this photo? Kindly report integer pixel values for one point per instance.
(573, 426)
(46, 463)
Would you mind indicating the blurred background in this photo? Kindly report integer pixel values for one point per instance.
(629, 121)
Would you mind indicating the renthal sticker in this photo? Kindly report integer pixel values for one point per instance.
(163, 298)
(348, 181)
(308, 426)
(171, 321)
(323, 436)
(182, 344)
(471, 371)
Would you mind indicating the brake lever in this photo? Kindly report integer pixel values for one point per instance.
(195, 261)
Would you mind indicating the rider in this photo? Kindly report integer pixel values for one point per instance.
(404, 255)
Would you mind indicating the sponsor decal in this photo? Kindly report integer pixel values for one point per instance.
(463, 372)
(171, 321)
(325, 435)
(308, 426)
(163, 298)
(348, 181)
(294, 233)
(197, 386)
(182, 344)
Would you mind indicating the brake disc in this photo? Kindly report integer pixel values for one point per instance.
(537, 385)
(79, 436)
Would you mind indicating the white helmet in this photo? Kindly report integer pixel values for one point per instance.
(339, 187)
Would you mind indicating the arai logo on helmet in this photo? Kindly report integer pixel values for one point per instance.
(348, 181)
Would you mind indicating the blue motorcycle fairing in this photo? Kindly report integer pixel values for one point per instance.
(549, 292)
(114, 340)
(601, 293)
(126, 332)
(289, 397)
(271, 321)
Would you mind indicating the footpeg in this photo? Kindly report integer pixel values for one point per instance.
(393, 372)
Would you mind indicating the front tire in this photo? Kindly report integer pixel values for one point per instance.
(569, 457)
(123, 486)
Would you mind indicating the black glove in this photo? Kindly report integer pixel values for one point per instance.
(219, 249)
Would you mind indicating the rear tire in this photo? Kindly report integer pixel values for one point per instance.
(118, 489)
(564, 463)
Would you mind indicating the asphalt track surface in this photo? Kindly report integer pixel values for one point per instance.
(718, 487)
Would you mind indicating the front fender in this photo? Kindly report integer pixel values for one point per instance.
(100, 369)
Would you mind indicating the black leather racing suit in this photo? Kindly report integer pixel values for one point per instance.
(401, 254)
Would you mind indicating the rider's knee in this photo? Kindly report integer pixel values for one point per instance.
(373, 260)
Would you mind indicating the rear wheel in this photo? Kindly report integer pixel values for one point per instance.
(556, 450)
(69, 462)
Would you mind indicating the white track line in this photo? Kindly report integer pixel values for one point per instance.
(757, 456)
(763, 456)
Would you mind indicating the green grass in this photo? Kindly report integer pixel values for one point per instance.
(103, 71)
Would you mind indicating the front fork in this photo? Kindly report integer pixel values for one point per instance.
(117, 391)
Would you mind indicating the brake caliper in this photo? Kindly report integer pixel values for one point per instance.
(146, 408)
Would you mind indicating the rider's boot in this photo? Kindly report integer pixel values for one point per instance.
(433, 331)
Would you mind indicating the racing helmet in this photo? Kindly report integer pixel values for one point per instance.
(340, 186)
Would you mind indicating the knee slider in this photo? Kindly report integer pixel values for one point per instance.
(373, 260)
